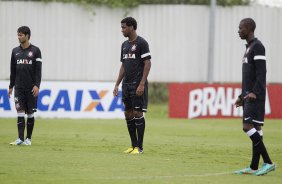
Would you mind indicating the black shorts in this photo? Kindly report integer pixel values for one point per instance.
(131, 100)
(25, 101)
(253, 112)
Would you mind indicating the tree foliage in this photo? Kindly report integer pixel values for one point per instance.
(135, 3)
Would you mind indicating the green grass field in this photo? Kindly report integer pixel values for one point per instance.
(176, 151)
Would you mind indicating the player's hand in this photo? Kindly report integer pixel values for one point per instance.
(35, 91)
(250, 96)
(140, 90)
(10, 92)
(238, 102)
(115, 92)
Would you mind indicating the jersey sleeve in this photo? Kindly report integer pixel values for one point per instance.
(260, 65)
(12, 71)
(38, 68)
(145, 51)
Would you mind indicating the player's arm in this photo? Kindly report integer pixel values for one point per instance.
(147, 67)
(239, 101)
(119, 79)
(37, 73)
(260, 65)
(145, 56)
(12, 75)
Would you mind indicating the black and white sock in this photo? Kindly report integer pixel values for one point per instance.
(140, 124)
(132, 131)
(258, 148)
(256, 140)
(21, 125)
(264, 153)
(261, 134)
(30, 125)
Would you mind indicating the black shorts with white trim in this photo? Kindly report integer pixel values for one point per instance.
(253, 112)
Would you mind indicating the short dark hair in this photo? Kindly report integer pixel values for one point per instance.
(25, 30)
(130, 21)
(250, 23)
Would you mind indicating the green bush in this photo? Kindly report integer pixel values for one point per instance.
(158, 93)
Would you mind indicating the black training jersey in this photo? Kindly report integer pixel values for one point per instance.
(254, 70)
(25, 67)
(133, 55)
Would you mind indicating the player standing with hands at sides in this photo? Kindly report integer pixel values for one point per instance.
(25, 78)
(134, 70)
(253, 97)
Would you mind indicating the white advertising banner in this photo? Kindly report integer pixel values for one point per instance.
(69, 100)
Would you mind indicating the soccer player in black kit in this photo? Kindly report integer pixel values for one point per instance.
(134, 70)
(252, 97)
(25, 78)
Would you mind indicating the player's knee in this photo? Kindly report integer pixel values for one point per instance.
(247, 127)
(20, 113)
(30, 115)
(137, 114)
(258, 128)
(128, 114)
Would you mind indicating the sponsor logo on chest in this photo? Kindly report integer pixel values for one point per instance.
(129, 56)
(24, 61)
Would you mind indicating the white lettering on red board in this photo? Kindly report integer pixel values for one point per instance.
(211, 101)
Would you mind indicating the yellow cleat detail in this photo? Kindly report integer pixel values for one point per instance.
(129, 150)
(136, 150)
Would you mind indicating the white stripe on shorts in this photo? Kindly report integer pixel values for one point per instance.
(256, 121)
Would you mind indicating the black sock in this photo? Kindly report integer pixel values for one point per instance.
(256, 140)
(140, 124)
(30, 125)
(132, 131)
(261, 137)
(260, 133)
(258, 148)
(21, 126)
(264, 154)
(265, 159)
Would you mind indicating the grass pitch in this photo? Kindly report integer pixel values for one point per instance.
(175, 151)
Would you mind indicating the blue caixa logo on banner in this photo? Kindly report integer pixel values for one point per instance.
(4, 100)
(62, 101)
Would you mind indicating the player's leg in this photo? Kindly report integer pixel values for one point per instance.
(20, 107)
(130, 121)
(265, 156)
(250, 130)
(251, 118)
(267, 165)
(259, 130)
(29, 128)
(248, 127)
(140, 106)
(140, 125)
(259, 122)
(30, 125)
(129, 117)
(31, 108)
